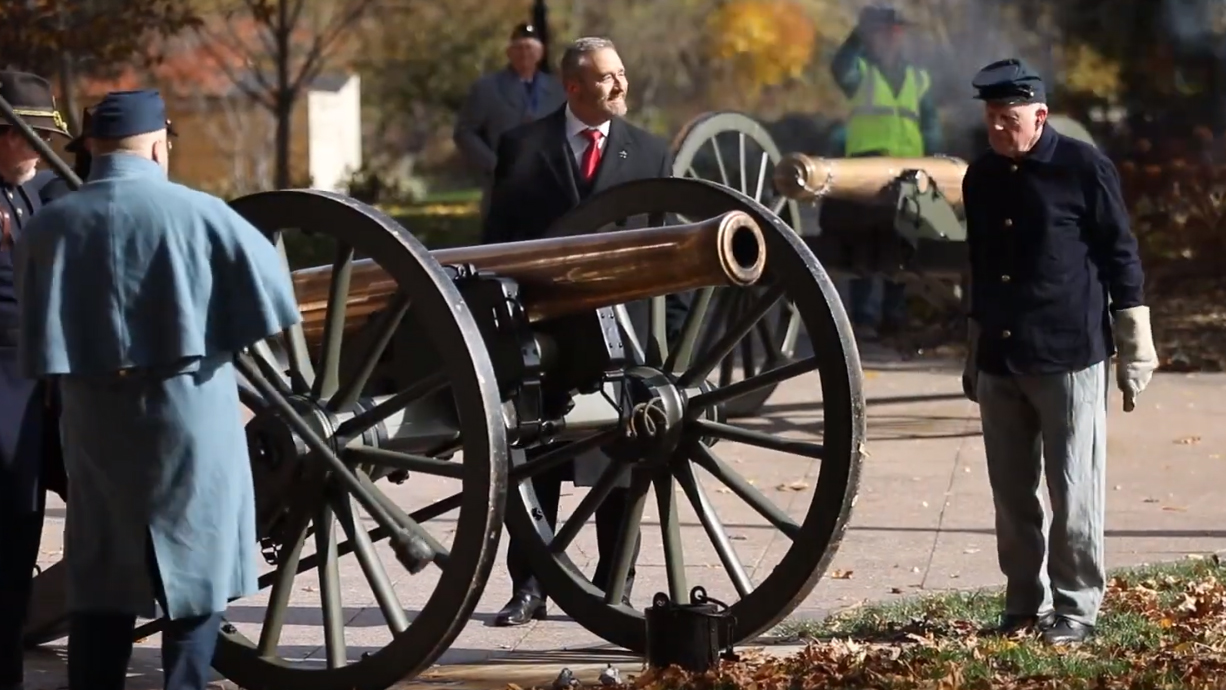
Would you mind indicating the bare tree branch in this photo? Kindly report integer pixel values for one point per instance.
(314, 63)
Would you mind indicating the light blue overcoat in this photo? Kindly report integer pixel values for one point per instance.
(135, 292)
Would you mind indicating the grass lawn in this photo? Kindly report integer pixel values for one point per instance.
(1161, 626)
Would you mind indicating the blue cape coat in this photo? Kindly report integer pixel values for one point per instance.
(135, 293)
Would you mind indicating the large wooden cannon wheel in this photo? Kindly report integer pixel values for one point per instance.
(700, 440)
(737, 152)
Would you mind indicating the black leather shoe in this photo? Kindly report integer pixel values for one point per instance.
(523, 608)
(1067, 632)
(1011, 623)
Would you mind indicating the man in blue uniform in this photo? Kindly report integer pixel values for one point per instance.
(136, 293)
(23, 413)
(1056, 289)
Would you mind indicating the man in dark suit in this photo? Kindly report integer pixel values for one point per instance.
(26, 424)
(544, 169)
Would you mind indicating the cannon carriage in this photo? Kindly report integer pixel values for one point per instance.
(476, 369)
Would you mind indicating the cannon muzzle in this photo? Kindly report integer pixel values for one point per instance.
(808, 178)
(566, 275)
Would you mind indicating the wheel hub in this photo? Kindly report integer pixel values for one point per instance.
(654, 412)
(286, 481)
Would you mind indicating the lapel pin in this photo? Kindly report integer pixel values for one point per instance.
(621, 154)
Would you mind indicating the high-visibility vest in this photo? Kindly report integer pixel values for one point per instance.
(883, 122)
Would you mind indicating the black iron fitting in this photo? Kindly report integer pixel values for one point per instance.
(694, 636)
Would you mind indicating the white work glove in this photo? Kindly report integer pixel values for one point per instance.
(970, 370)
(1134, 345)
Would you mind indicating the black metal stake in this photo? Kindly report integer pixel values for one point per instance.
(43, 148)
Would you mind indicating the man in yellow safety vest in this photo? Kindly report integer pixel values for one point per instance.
(892, 114)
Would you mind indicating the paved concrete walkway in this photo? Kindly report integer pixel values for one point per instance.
(923, 523)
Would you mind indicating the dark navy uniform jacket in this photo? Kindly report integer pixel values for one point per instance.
(28, 421)
(1049, 242)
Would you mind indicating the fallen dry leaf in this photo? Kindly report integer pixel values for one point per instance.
(798, 485)
(1187, 440)
(841, 574)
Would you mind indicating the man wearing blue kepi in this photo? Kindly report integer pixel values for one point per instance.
(1056, 289)
(27, 426)
(136, 294)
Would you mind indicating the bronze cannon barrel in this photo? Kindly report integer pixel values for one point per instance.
(806, 178)
(565, 275)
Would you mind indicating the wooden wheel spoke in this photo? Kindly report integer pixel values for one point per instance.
(587, 507)
(627, 538)
(748, 366)
(714, 528)
(679, 357)
(703, 457)
(772, 377)
(330, 589)
(657, 329)
(390, 459)
(326, 382)
(363, 422)
(740, 141)
(301, 373)
(723, 347)
(719, 160)
(386, 324)
(628, 331)
(282, 587)
(670, 529)
(808, 449)
(762, 162)
(372, 566)
(400, 521)
(260, 356)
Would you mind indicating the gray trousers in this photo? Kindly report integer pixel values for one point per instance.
(1060, 418)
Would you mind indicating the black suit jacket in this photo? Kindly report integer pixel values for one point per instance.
(533, 180)
(534, 185)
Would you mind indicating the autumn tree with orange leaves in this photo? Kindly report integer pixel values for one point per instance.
(272, 50)
(64, 36)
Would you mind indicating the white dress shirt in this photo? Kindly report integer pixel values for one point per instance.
(578, 140)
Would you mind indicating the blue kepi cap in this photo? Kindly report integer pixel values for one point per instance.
(128, 113)
(1009, 81)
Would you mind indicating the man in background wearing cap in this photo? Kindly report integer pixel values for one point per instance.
(136, 294)
(26, 424)
(892, 114)
(1056, 288)
(503, 100)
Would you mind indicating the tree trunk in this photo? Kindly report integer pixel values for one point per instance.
(68, 82)
(284, 98)
(284, 115)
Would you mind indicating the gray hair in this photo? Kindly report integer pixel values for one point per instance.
(572, 59)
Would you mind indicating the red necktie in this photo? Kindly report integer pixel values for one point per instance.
(6, 230)
(591, 157)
